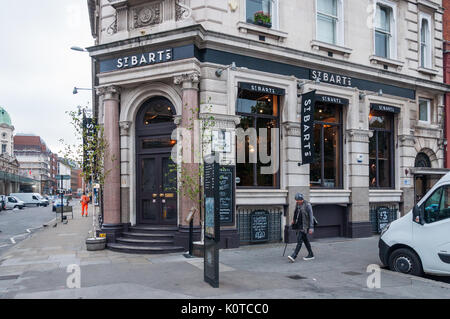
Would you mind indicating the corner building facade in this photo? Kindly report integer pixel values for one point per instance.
(376, 67)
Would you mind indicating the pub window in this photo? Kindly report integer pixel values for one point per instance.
(381, 150)
(258, 111)
(425, 111)
(262, 12)
(330, 21)
(326, 171)
(385, 30)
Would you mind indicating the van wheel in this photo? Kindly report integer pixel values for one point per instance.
(37, 205)
(405, 261)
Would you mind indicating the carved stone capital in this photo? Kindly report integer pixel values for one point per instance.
(182, 11)
(361, 136)
(124, 127)
(292, 129)
(111, 92)
(188, 80)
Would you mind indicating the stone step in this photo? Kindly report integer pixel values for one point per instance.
(156, 236)
(130, 249)
(153, 229)
(144, 242)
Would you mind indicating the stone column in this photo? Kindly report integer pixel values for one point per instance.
(190, 110)
(112, 225)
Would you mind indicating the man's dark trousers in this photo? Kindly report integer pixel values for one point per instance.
(302, 237)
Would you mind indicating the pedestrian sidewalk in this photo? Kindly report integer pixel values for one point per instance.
(38, 268)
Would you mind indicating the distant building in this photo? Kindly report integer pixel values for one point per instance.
(9, 166)
(64, 169)
(76, 180)
(34, 159)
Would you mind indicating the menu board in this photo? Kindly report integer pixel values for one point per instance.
(226, 194)
(211, 182)
(259, 226)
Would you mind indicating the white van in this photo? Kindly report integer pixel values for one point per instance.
(419, 242)
(30, 199)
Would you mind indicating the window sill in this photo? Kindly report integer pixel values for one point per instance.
(319, 45)
(428, 71)
(330, 196)
(384, 61)
(385, 195)
(253, 28)
(426, 126)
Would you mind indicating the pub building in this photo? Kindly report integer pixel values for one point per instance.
(376, 129)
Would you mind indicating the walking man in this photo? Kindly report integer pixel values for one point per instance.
(304, 223)
(84, 204)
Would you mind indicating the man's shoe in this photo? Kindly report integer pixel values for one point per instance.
(309, 257)
(291, 259)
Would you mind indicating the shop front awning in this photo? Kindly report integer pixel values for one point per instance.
(429, 171)
(9, 177)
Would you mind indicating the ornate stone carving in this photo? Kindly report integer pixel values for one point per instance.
(182, 11)
(108, 92)
(124, 127)
(361, 136)
(112, 29)
(193, 78)
(147, 15)
(292, 129)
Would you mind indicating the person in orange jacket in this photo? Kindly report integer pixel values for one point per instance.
(84, 204)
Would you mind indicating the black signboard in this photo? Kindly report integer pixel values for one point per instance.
(307, 127)
(211, 263)
(259, 226)
(331, 99)
(226, 194)
(254, 87)
(89, 142)
(385, 108)
(212, 200)
(383, 217)
(332, 78)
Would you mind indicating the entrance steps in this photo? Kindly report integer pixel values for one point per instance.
(142, 239)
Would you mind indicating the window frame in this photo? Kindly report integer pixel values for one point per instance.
(427, 64)
(391, 154)
(340, 27)
(255, 117)
(428, 121)
(340, 126)
(393, 28)
(274, 8)
(442, 189)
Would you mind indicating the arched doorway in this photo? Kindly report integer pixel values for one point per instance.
(156, 176)
(422, 182)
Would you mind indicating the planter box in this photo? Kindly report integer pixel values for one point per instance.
(264, 24)
(93, 244)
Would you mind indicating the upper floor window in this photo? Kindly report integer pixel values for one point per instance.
(385, 35)
(3, 148)
(330, 21)
(425, 110)
(262, 12)
(425, 40)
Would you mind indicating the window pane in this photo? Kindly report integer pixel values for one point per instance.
(316, 167)
(424, 31)
(327, 6)
(383, 19)
(384, 159)
(423, 110)
(380, 120)
(431, 206)
(265, 125)
(381, 44)
(327, 113)
(256, 103)
(331, 156)
(254, 6)
(326, 29)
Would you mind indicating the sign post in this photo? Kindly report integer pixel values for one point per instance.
(212, 222)
(62, 178)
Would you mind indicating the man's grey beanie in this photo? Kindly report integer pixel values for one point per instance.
(299, 196)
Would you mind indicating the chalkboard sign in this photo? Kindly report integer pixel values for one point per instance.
(383, 217)
(259, 226)
(212, 201)
(226, 194)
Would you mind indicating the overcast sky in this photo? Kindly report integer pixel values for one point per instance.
(37, 68)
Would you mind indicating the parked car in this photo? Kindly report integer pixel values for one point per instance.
(57, 203)
(419, 242)
(30, 199)
(13, 202)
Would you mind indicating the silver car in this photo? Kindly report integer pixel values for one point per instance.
(13, 202)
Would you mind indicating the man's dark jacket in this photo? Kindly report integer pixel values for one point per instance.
(303, 217)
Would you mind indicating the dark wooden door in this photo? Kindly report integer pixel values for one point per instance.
(157, 190)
